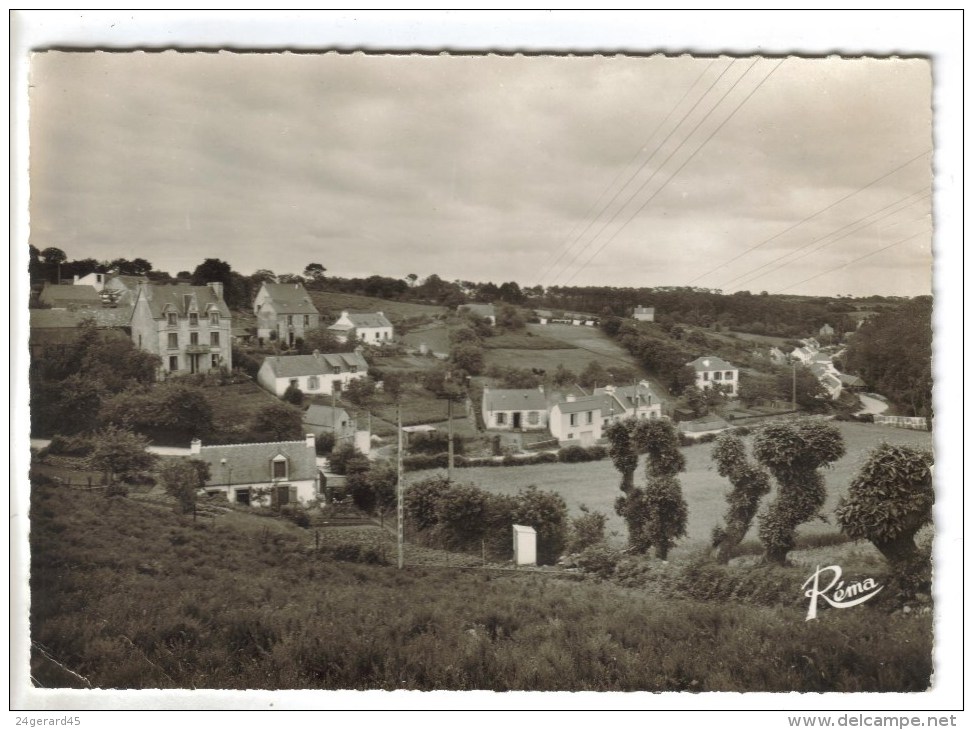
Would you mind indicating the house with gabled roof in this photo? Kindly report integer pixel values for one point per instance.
(712, 370)
(369, 328)
(187, 326)
(315, 374)
(581, 420)
(284, 312)
(803, 354)
(57, 329)
(320, 419)
(68, 296)
(514, 409)
(261, 474)
(638, 400)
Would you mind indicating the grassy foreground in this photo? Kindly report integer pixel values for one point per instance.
(126, 594)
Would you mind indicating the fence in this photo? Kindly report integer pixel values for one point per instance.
(916, 423)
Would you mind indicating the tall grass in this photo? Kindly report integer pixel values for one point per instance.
(128, 595)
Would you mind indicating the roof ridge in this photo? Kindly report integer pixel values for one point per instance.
(255, 443)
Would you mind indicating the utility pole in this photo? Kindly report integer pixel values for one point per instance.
(794, 385)
(399, 507)
(449, 417)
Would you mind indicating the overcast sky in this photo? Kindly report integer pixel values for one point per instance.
(749, 173)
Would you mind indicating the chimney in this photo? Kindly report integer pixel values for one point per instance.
(217, 287)
(609, 389)
(76, 277)
(380, 314)
(195, 446)
(309, 441)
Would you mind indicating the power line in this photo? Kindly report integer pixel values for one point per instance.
(549, 267)
(747, 278)
(813, 215)
(642, 167)
(687, 160)
(853, 261)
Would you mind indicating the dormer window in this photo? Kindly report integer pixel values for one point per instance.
(214, 318)
(193, 319)
(278, 467)
(173, 319)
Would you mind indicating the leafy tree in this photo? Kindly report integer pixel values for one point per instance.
(412, 279)
(211, 270)
(593, 375)
(750, 484)
(53, 258)
(510, 318)
(656, 514)
(563, 376)
(464, 334)
(757, 388)
(793, 452)
(696, 401)
(586, 530)
(324, 443)
(314, 272)
(510, 292)
(360, 391)
(468, 357)
(623, 451)
(293, 395)
(811, 395)
(120, 455)
(348, 460)
(259, 276)
(547, 513)
(324, 341)
(888, 501)
(375, 490)
(393, 384)
(279, 422)
(182, 479)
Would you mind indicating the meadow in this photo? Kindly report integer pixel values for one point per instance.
(335, 302)
(127, 594)
(595, 484)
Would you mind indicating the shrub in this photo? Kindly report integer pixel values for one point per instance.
(599, 559)
(324, 443)
(296, 514)
(70, 446)
(435, 442)
(293, 395)
(547, 513)
(575, 454)
(586, 530)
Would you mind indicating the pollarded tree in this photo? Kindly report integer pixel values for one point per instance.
(623, 451)
(656, 515)
(888, 501)
(793, 452)
(750, 484)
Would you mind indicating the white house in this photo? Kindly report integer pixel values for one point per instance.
(826, 330)
(777, 356)
(713, 370)
(368, 328)
(644, 314)
(802, 354)
(313, 374)
(638, 400)
(580, 420)
(514, 410)
(267, 474)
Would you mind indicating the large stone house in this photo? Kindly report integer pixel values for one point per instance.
(367, 328)
(514, 410)
(187, 326)
(712, 371)
(284, 312)
(265, 474)
(314, 374)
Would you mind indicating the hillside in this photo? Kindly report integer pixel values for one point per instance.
(332, 303)
(126, 594)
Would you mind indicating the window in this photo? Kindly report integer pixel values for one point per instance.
(533, 418)
(173, 363)
(573, 420)
(173, 340)
(290, 319)
(307, 320)
(279, 468)
(242, 496)
(728, 375)
(194, 338)
(604, 422)
(336, 370)
(377, 334)
(501, 419)
(570, 436)
(353, 369)
(214, 319)
(312, 382)
(589, 417)
(705, 376)
(173, 319)
(214, 339)
(193, 319)
(214, 360)
(717, 376)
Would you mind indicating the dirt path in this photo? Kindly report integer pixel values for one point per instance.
(872, 405)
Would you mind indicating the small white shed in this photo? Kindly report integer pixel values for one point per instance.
(525, 545)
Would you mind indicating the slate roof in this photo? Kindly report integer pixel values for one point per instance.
(701, 364)
(363, 319)
(319, 415)
(290, 298)
(65, 294)
(626, 394)
(251, 463)
(160, 295)
(852, 381)
(292, 366)
(644, 310)
(129, 282)
(603, 402)
(514, 400)
(62, 319)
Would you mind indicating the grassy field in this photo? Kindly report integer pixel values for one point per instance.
(335, 302)
(237, 404)
(129, 595)
(435, 337)
(595, 484)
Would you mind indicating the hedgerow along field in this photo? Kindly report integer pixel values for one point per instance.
(127, 594)
(596, 485)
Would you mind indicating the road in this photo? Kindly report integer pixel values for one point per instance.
(160, 450)
(871, 404)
